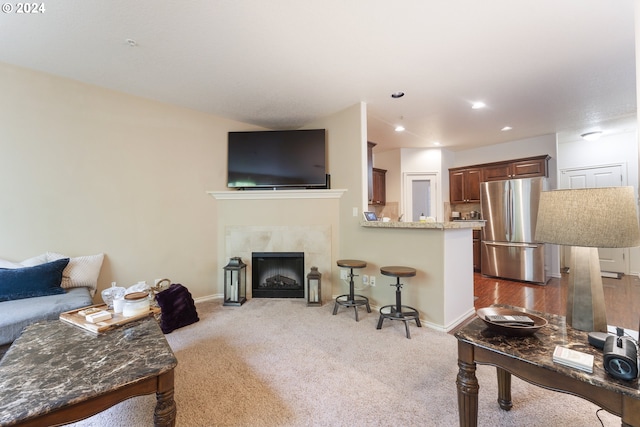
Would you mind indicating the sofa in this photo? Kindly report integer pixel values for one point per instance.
(42, 287)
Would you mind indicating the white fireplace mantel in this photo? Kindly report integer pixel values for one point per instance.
(277, 194)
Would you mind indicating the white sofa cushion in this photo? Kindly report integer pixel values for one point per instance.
(82, 271)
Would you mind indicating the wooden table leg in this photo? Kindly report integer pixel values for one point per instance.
(468, 387)
(504, 389)
(630, 411)
(165, 412)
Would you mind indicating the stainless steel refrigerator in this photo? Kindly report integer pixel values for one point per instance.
(508, 249)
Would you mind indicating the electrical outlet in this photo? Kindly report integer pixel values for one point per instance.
(372, 280)
(365, 279)
(343, 274)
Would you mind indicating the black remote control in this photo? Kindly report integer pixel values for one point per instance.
(523, 320)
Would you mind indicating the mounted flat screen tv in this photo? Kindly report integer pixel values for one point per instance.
(277, 159)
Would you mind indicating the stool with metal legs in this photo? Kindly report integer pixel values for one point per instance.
(399, 311)
(351, 299)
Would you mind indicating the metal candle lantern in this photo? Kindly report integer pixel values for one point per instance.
(235, 282)
(314, 288)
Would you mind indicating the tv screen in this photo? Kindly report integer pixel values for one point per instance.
(269, 159)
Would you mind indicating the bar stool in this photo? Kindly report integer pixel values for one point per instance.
(351, 299)
(399, 311)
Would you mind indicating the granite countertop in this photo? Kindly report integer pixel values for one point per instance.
(537, 349)
(54, 364)
(426, 225)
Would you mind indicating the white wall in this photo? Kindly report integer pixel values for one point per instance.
(618, 148)
(413, 160)
(612, 148)
(84, 170)
(428, 161)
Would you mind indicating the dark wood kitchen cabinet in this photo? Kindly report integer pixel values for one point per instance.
(376, 180)
(379, 195)
(520, 168)
(370, 146)
(464, 185)
(476, 250)
(464, 182)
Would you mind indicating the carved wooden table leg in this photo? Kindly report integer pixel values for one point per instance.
(165, 412)
(630, 412)
(468, 387)
(504, 389)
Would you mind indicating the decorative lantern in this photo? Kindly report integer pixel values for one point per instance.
(235, 282)
(314, 288)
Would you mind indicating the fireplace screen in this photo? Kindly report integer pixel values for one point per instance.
(277, 274)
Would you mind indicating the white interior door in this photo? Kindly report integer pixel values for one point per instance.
(419, 191)
(613, 260)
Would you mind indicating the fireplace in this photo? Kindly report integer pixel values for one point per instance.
(277, 274)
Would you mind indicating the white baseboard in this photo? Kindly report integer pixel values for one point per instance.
(208, 298)
(611, 274)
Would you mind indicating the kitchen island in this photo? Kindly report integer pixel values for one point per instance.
(449, 225)
(442, 254)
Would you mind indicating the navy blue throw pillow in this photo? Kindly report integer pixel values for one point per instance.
(36, 281)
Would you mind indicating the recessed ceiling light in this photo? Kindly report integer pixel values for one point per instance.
(399, 128)
(436, 143)
(506, 128)
(478, 104)
(397, 95)
(592, 136)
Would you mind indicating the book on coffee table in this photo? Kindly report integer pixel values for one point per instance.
(573, 358)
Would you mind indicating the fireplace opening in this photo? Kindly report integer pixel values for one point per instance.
(277, 274)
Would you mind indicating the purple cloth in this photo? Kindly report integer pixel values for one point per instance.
(178, 308)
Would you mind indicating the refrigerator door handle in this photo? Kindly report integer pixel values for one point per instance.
(519, 245)
(510, 212)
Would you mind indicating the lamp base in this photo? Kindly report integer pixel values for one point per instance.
(585, 297)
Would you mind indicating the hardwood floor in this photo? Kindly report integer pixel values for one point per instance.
(622, 297)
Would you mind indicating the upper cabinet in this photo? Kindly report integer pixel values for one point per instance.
(370, 146)
(379, 187)
(376, 180)
(464, 185)
(464, 182)
(521, 168)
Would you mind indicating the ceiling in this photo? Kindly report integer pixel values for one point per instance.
(541, 66)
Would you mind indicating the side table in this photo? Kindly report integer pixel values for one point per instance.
(531, 359)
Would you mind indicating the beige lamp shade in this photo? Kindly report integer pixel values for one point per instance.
(587, 219)
(591, 217)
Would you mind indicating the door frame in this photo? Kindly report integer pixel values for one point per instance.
(407, 181)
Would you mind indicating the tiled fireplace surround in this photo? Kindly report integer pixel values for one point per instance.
(313, 240)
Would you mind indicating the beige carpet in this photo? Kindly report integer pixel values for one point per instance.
(275, 362)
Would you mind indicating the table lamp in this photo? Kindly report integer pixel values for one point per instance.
(587, 219)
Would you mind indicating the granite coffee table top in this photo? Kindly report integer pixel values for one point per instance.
(53, 365)
(538, 348)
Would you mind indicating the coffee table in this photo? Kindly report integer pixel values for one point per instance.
(56, 373)
(531, 359)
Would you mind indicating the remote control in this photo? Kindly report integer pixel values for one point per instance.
(523, 320)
